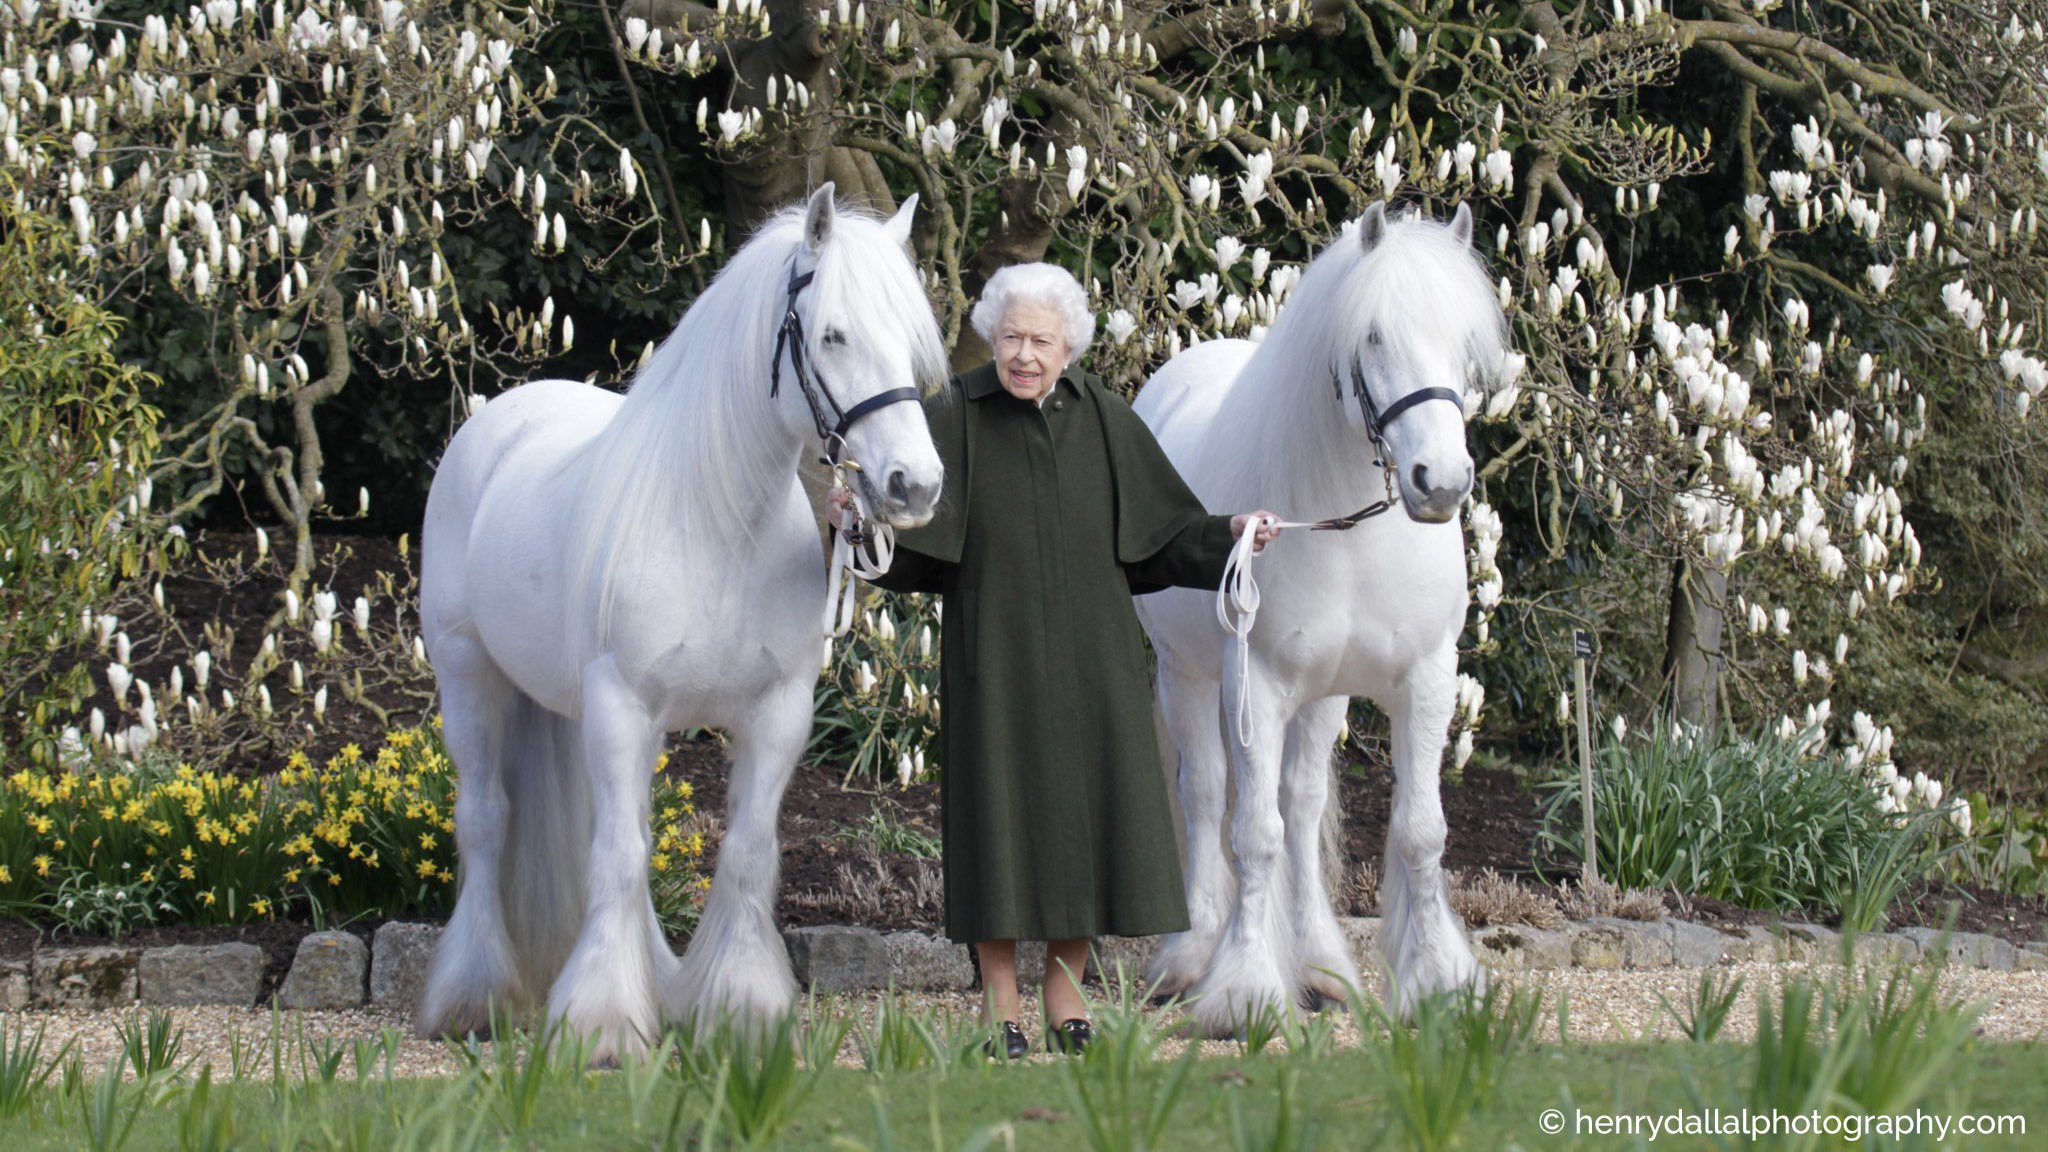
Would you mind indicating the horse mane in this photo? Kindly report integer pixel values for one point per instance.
(1422, 288)
(696, 447)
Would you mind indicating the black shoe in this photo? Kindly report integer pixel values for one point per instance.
(1071, 1037)
(1015, 1044)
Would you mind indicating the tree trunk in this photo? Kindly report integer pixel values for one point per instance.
(1692, 643)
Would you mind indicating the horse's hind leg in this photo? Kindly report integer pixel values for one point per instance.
(1188, 706)
(1323, 964)
(474, 967)
(606, 990)
(1423, 940)
(736, 968)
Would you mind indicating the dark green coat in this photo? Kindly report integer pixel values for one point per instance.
(1057, 823)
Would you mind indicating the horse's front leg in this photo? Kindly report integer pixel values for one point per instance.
(1323, 965)
(1422, 939)
(606, 990)
(1252, 970)
(736, 968)
(474, 970)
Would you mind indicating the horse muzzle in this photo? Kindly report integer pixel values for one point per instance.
(903, 500)
(1433, 495)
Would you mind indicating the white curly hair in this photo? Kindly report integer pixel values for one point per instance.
(1047, 284)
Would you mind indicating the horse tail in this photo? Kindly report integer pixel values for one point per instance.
(547, 839)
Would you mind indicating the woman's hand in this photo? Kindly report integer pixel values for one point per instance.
(837, 501)
(1269, 528)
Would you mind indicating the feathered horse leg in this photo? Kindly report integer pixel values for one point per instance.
(736, 968)
(1250, 973)
(606, 991)
(1423, 940)
(474, 966)
(1324, 967)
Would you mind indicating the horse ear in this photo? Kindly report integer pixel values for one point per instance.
(1461, 224)
(818, 218)
(899, 224)
(1373, 227)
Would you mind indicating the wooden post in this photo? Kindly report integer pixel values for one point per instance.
(1582, 651)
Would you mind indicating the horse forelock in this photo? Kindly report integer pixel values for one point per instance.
(866, 281)
(1423, 289)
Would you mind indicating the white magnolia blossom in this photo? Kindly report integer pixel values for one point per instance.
(1258, 168)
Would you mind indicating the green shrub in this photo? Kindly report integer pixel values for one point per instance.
(878, 701)
(1756, 822)
(76, 442)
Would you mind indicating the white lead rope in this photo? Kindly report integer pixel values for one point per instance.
(1237, 609)
(850, 564)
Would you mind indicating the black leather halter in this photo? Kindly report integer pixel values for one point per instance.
(1377, 421)
(832, 421)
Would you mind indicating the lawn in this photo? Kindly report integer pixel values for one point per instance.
(1340, 1101)
(1856, 1052)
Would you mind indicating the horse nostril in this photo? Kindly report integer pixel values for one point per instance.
(899, 487)
(1419, 476)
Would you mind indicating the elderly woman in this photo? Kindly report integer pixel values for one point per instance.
(1058, 506)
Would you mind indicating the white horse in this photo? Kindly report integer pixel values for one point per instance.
(1369, 361)
(599, 570)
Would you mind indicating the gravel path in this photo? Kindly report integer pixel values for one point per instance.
(1605, 1006)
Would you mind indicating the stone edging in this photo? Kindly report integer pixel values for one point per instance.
(336, 970)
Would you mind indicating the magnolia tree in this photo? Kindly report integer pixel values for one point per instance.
(288, 173)
(1737, 395)
(291, 176)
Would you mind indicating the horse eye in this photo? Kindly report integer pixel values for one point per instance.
(833, 336)
(1373, 338)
